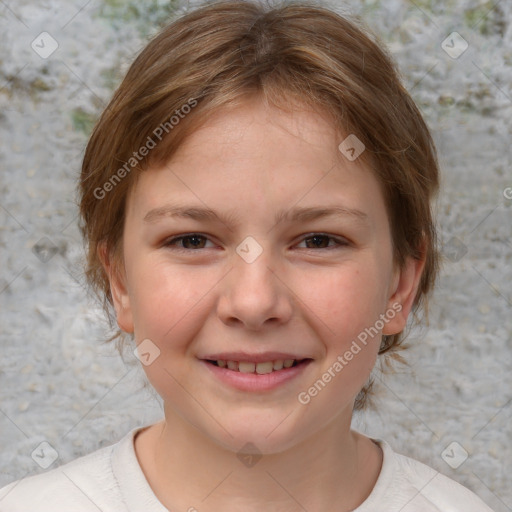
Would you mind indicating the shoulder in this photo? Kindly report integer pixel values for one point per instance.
(416, 487)
(82, 485)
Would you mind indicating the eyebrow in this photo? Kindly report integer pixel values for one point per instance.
(298, 214)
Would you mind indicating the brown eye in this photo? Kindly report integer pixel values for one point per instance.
(192, 241)
(320, 241)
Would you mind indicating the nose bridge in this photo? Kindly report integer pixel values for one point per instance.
(253, 292)
(253, 268)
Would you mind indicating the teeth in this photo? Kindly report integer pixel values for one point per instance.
(278, 365)
(246, 367)
(262, 368)
(259, 368)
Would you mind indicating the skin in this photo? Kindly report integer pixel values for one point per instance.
(300, 295)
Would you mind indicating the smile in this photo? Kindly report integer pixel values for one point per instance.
(255, 376)
(259, 368)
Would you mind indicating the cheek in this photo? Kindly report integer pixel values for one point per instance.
(345, 300)
(165, 300)
(345, 306)
(170, 307)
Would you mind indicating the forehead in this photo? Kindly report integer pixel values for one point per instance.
(260, 156)
(242, 128)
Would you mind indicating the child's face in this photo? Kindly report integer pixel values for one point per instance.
(302, 296)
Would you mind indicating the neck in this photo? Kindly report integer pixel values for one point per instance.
(335, 469)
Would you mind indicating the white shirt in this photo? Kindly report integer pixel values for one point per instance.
(111, 480)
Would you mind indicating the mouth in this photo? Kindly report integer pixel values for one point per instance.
(259, 368)
(256, 376)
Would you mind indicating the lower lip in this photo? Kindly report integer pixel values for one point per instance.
(254, 381)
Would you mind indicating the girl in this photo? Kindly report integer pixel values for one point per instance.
(256, 203)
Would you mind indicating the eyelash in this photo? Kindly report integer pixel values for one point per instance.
(339, 241)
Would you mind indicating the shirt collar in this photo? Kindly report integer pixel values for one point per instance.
(134, 487)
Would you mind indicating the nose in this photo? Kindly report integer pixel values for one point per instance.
(255, 295)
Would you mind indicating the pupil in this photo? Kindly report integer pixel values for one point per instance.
(196, 238)
(318, 239)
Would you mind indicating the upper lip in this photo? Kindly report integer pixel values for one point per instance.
(253, 358)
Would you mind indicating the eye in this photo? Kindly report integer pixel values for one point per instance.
(321, 241)
(186, 242)
(194, 241)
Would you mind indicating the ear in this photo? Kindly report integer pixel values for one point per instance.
(403, 292)
(120, 297)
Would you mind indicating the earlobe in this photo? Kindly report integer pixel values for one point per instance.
(405, 287)
(118, 289)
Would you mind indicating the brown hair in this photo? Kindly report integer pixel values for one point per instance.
(296, 53)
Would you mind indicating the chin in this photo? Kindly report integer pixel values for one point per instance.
(256, 435)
